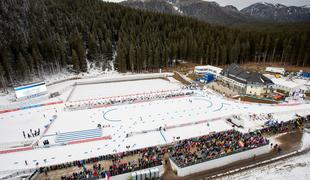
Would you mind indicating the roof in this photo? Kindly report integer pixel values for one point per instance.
(217, 70)
(293, 84)
(275, 70)
(244, 76)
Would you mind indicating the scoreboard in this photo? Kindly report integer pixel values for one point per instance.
(30, 90)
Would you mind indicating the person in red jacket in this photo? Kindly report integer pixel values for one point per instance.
(95, 173)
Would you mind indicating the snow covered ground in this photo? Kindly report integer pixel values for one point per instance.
(90, 91)
(12, 124)
(183, 117)
(8, 99)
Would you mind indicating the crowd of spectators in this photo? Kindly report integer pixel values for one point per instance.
(147, 158)
(190, 151)
(261, 116)
(128, 99)
(184, 152)
(279, 127)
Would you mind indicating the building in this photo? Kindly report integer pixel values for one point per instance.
(206, 78)
(30, 90)
(305, 75)
(246, 82)
(292, 86)
(275, 70)
(208, 69)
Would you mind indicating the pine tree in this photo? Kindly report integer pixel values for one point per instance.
(143, 56)
(81, 56)
(92, 48)
(121, 60)
(8, 59)
(22, 67)
(157, 58)
(38, 61)
(62, 53)
(30, 62)
(75, 61)
(132, 57)
(223, 55)
(2, 79)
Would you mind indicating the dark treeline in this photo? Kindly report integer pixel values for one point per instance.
(40, 37)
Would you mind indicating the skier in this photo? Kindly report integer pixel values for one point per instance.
(24, 134)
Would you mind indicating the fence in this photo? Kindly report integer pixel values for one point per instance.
(29, 107)
(124, 78)
(15, 144)
(14, 175)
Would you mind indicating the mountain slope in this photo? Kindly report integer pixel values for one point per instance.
(277, 12)
(161, 6)
(210, 12)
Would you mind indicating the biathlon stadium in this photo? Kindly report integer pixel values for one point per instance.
(137, 127)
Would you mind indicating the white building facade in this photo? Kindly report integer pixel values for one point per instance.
(208, 69)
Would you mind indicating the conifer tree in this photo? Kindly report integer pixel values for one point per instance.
(75, 60)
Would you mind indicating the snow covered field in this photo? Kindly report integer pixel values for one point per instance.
(183, 117)
(12, 124)
(102, 90)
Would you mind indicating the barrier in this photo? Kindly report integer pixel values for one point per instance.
(71, 92)
(196, 122)
(63, 80)
(30, 107)
(163, 136)
(17, 174)
(15, 144)
(121, 100)
(124, 78)
(146, 174)
(16, 150)
(124, 96)
(138, 174)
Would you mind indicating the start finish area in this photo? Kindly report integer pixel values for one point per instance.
(131, 126)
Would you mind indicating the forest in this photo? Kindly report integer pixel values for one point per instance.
(39, 37)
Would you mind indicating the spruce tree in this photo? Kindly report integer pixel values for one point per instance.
(2, 79)
(75, 61)
(22, 67)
